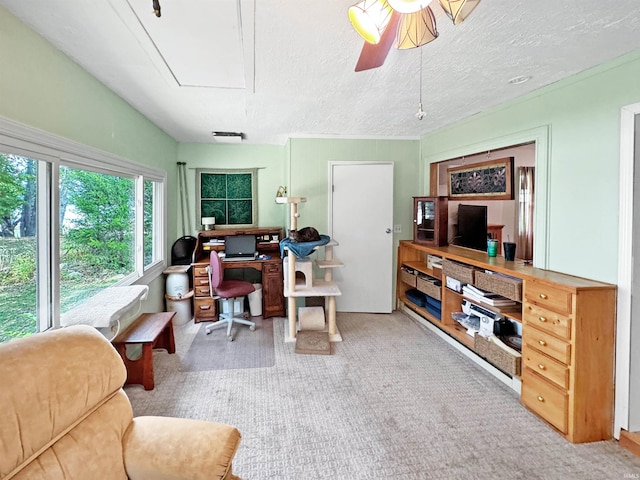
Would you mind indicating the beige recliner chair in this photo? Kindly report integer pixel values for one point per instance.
(64, 415)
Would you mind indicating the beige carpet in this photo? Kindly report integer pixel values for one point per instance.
(391, 401)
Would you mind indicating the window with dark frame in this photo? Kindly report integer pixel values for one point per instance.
(227, 195)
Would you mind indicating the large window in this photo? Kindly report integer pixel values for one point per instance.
(18, 246)
(70, 226)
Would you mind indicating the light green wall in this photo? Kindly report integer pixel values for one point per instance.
(268, 159)
(583, 116)
(302, 165)
(42, 88)
(309, 175)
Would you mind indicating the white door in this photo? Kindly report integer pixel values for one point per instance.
(361, 221)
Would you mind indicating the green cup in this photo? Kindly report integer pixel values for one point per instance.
(492, 247)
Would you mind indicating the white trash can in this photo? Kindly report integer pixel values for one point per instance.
(182, 306)
(255, 300)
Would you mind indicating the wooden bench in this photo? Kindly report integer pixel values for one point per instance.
(152, 330)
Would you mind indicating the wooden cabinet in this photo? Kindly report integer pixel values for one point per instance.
(271, 269)
(567, 324)
(430, 220)
(273, 290)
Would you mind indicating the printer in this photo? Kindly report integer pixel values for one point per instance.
(487, 317)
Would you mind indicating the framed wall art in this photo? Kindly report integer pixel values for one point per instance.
(490, 180)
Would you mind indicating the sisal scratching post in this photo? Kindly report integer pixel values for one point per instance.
(313, 343)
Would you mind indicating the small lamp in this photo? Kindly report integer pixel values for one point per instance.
(416, 29)
(458, 10)
(370, 19)
(208, 223)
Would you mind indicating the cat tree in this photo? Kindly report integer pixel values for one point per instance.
(308, 286)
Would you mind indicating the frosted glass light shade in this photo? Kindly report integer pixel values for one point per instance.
(408, 6)
(458, 10)
(416, 29)
(370, 19)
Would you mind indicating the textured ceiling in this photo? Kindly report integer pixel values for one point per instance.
(275, 69)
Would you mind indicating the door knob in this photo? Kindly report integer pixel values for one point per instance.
(388, 230)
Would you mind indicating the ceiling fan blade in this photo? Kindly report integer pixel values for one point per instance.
(374, 55)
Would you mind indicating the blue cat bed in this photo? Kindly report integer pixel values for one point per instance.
(302, 249)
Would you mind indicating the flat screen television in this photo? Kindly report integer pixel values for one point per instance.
(472, 227)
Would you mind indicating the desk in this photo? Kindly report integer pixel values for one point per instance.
(273, 304)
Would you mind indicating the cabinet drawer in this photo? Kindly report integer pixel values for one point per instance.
(546, 400)
(200, 281)
(552, 370)
(204, 307)
(548, 295)
(547, 320)
(202, 290)
(547, 344)
(272, 268)
(199, 271)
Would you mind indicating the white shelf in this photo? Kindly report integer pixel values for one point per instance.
(320, 288)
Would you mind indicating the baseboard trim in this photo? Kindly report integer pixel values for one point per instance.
(630, 441)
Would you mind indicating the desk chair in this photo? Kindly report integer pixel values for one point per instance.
(226, 291)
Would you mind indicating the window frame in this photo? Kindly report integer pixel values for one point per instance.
(229, 171)
(52, 152)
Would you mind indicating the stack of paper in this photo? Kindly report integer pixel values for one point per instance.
(488, 298)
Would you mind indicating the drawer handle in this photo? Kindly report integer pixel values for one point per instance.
(543, 296)
(540, 398)
(542, 342)
(205, 307)
(541, 366)
(542, 319)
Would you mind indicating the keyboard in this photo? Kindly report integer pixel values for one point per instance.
(239, 259)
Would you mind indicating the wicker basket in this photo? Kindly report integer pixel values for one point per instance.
(425, 286)
(408, 277)
(505, 361)
(505, 286)
(459, 271)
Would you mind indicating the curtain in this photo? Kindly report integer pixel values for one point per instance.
(524, 243)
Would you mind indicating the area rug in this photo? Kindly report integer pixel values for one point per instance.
(248, 349)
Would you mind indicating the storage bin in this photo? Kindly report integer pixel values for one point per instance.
(429, 286)
(416, 297)
(459, 271)
(506, 286)
(434, 303)
(501, 358)
(408, 276)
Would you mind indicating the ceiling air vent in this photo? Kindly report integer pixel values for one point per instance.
(227, 137)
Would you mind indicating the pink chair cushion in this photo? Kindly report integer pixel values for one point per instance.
(234, 288)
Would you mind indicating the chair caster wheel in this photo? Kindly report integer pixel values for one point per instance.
(252, 327)
(230, 338)
(208, 332)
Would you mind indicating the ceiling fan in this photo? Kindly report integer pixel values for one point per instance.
(407, 23)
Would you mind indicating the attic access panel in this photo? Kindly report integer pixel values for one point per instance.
(194, 38)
